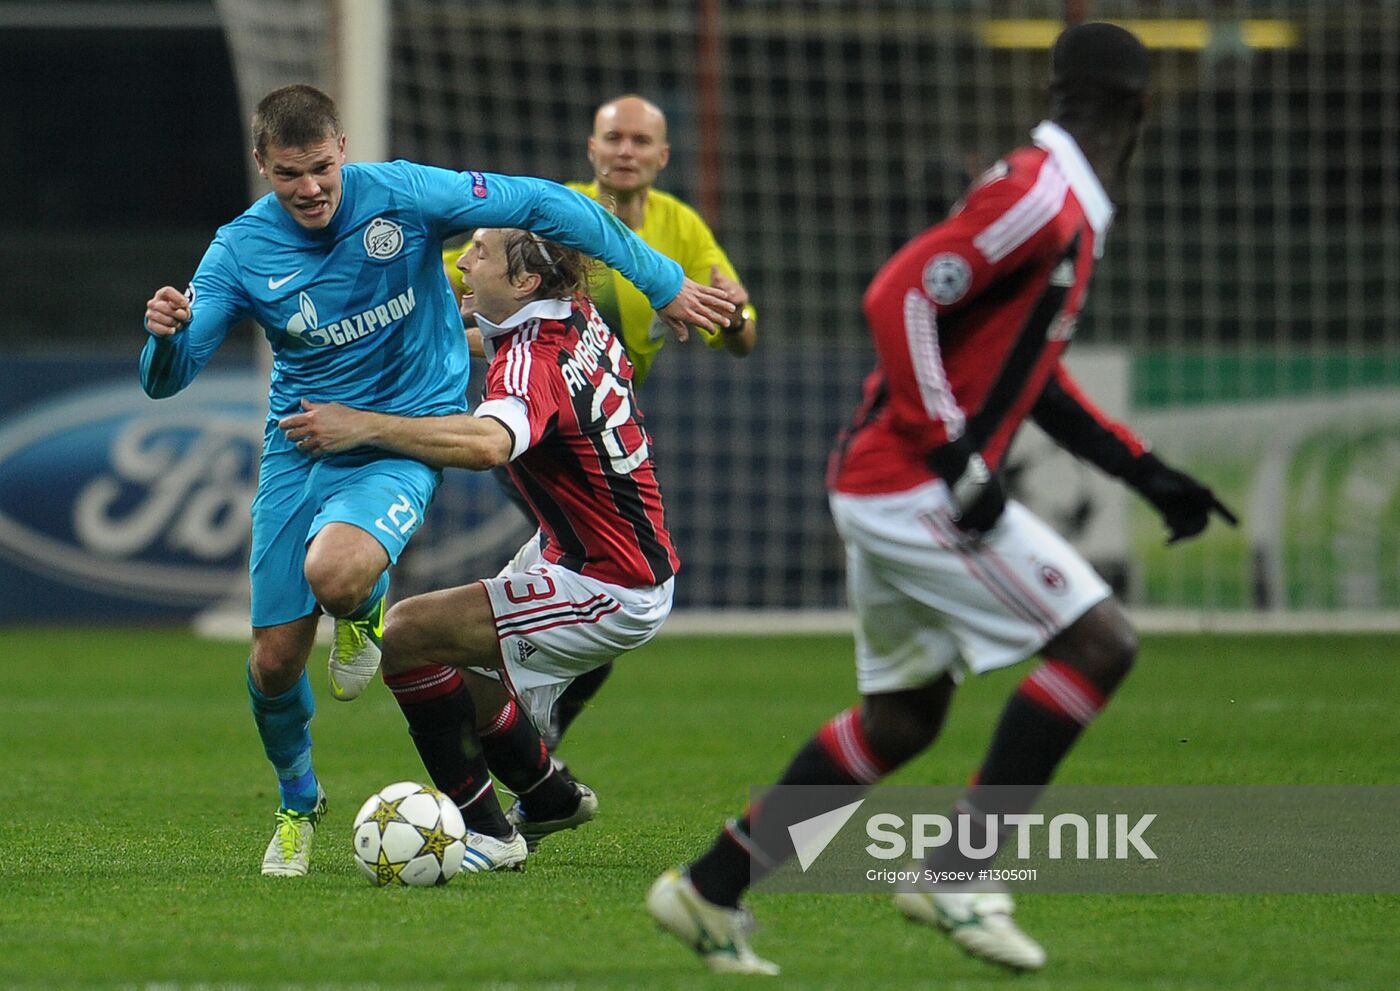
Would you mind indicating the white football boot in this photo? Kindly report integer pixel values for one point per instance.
(487, 853)
(718, 934)
(536, 831)
(978, 921)
(355, 654)
(288, 854)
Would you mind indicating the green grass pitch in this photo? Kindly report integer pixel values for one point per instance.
(139, 803)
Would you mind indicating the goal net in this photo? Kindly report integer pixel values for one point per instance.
(1246, 316)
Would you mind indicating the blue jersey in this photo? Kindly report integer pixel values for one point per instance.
(361, 312)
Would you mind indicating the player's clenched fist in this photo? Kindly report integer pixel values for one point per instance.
(167, 311)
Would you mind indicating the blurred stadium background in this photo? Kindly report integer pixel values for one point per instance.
(1246, 316)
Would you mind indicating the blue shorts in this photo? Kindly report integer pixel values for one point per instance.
(384, 496)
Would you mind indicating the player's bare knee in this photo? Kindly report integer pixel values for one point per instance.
(1115, 646)
(275, 667)
(490, 707)
(900, 725)
(338, 591)
(1108, 656)
(1101, 644)
(265, 664)
(401, 639)
(1124, 649)
(340, 576)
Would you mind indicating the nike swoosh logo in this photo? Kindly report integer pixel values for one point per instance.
(279, 283)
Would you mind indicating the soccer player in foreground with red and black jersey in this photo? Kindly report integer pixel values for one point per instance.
(476, 669)
(945, 576)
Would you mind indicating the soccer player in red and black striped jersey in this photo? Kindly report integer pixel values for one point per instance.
(476, 669)
(945, 575)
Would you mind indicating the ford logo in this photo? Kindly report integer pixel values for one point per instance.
(108, 490)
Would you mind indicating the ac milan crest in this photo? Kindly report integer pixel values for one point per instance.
(1054, 579)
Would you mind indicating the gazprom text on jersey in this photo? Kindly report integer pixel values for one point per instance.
(352, 328)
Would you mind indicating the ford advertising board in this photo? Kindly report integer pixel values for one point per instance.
(112, 503)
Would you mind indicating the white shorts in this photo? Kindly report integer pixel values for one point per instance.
(555, 624)
(928, 599)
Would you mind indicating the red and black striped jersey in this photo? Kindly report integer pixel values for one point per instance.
(970, 320)
(561, 383)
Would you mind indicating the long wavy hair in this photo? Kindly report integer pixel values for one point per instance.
(564, 272)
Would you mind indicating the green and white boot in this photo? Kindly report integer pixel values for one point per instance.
(355, 654)
(289, 852)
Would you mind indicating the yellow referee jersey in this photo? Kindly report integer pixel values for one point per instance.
(677, 231)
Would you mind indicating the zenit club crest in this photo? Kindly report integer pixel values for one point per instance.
(383, 239)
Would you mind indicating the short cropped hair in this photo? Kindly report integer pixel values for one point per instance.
(295, 116)
(1100, 53)
(1099, 73)
(563, 271)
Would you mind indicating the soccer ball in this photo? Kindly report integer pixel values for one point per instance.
(409, 834)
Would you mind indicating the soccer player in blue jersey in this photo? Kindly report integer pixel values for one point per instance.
(341, 266)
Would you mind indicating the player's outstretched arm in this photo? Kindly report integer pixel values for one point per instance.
(1184, 503)
(457, 440)
(462, 201)
(1076, 424)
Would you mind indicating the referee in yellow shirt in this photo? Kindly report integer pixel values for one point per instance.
(628, 149)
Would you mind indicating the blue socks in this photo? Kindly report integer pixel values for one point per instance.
(284, 723)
